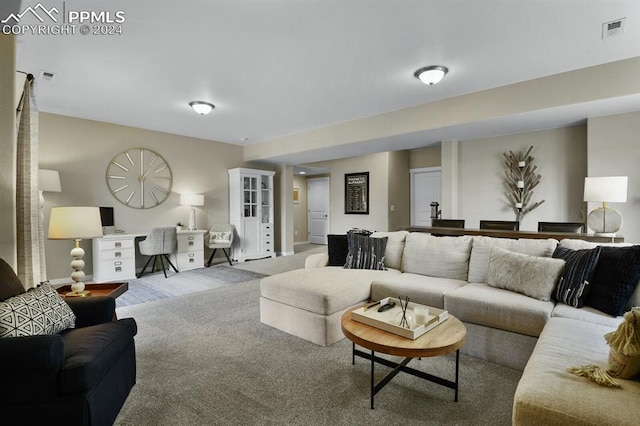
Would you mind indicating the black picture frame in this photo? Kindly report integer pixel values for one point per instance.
(356, 193)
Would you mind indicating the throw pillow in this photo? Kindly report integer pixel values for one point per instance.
(338, 249)
(11, 285)
(395, 247)
(573, 284)
(365, 252)
(39, 311)
(615, 279)
(220, 237)
(532, 276)
(441, 257)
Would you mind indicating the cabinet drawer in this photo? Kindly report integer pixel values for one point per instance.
(113, 243)
(115, 254)
(267, 227)
(190, 243)
(117, 268)
(190, 259)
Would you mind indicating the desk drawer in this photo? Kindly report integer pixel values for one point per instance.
(190, 260)
(188, 243)
(117, 269)
(114, 243)
(128, 253)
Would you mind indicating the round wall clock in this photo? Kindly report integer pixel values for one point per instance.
(139, 178)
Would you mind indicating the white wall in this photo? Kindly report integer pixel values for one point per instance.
(613, 148)
(560, 155)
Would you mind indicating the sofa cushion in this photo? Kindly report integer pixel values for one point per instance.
(365, 252)
(574, 244)
(395, 247)
(41, 310)
(615, 279)
(443, 257)
(10, 284)
(322, 290)
(573, 284)
(91, 351)
(498, 308)
(533, 276)
(421, 289)
(481, 252)
(548, 394)
(586, 313)
(338, 248)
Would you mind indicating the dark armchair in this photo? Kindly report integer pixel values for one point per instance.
(80, 376)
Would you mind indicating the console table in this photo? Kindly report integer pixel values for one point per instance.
(456, 232)
(114, 255)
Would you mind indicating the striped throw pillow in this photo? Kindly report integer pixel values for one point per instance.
(365, 252)
(573, 284)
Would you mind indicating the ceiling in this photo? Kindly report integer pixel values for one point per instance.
(275, 68)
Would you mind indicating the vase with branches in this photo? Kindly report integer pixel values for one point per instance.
(521, 178)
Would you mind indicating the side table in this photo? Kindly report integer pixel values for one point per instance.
(107, 289)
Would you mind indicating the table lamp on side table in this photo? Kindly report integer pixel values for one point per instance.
(75, 223)
(604, 220)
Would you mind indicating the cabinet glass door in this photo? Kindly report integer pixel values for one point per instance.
(265, 199)
(250, 196)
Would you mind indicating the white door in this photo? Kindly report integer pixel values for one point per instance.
(318, 213)
(426, 187)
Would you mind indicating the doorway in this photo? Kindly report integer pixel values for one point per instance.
(318, 209)
(426, 187)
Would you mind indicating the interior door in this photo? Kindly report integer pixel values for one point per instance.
(318, 213)
(426, 187)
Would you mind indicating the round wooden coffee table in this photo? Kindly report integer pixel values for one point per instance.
(443, 339)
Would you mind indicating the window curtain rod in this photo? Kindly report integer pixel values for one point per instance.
(30, 78)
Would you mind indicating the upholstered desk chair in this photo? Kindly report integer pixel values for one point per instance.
(159, 244)
(221, 237)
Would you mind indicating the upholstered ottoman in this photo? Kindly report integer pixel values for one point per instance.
(308, 303)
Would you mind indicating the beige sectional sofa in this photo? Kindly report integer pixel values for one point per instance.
(503, 326)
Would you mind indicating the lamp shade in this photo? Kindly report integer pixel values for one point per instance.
(191, 200)
(49, 181)
(71, 223)
(611, 189)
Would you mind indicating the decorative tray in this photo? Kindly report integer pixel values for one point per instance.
(390, 320)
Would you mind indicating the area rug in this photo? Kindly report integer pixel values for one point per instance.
(206, 359)
(155, 286)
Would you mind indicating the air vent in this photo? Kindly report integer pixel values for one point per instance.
(47, 75)
(613, 28)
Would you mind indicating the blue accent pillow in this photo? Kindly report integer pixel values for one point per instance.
(573, 284)
(615, 279)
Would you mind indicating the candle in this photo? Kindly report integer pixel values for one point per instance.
(518, 205)
(520, 184)
(522, 164)
(421, 315)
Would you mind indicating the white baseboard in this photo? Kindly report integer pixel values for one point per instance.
(286, 253)
(301, 242)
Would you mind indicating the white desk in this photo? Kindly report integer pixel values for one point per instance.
(114, 255)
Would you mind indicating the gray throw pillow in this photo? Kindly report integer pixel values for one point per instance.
(532, 276)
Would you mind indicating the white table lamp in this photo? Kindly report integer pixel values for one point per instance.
(611, 189)
(75, 223)
(192, 200)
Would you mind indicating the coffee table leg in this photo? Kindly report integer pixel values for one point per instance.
(353, 354)
(373, 384)
(457, 369)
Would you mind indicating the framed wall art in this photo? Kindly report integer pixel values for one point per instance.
(356, 193)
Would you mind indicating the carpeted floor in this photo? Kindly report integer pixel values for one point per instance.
(205, 359)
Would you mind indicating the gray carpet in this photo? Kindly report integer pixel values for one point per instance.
(205, 359)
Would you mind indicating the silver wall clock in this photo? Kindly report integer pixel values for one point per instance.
(139, 178)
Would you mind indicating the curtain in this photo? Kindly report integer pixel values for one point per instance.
(30, 233)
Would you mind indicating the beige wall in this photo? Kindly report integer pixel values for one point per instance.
(8, 150)
(425, 157)
(300, 221)
(560, 155)
(399, 190)
(614, 150)
(81, 150)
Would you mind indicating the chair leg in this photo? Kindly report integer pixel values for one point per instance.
(145, 266)
(211, 257)
(172, 265)
(164, 269)
(227, 254)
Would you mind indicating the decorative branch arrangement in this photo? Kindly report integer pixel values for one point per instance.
(520, 179)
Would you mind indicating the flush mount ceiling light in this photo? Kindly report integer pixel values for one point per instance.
(432, 74)
(201, 107)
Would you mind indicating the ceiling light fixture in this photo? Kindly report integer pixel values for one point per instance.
(432, 74)
(201, 107)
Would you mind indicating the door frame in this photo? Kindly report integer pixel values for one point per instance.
(413, 173)
(328, 180)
